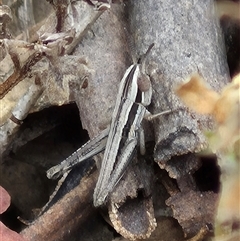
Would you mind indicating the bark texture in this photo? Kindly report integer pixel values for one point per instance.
(187, 40)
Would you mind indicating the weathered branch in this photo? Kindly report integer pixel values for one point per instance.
(66, 215)
(187, 39)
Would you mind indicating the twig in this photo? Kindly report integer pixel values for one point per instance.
(18, 114)
(66, 215)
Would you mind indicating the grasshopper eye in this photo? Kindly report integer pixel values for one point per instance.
(143, 83)
(85, 82)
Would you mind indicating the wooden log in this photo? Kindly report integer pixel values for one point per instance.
(187, 40)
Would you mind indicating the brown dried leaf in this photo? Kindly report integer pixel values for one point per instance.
(193, 210)
(134, 219)
(229, 204)
(179, 166)
(227, 113)
(196, 95)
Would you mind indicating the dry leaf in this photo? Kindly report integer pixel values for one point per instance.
(197, 96)
(225, 107)
(227, 112)
(193, 209)
(230, 201)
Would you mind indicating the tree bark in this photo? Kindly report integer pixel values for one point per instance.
(187, 40)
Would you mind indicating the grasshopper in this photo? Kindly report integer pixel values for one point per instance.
(121, 138)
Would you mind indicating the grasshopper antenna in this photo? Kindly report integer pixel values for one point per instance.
(142, 59)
